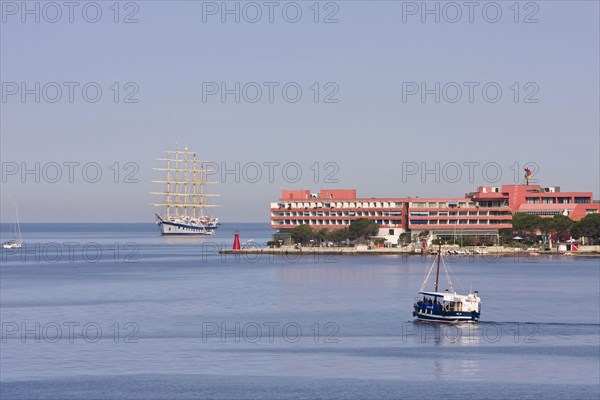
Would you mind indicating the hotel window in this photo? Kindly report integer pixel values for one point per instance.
(533, 200)
(587, 212)
(548, 200)
(391, 232)
(463, 221)
(564, 200)
(582, 200)
(420, 213)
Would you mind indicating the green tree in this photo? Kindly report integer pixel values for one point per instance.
(469, 241)
(506, 235)
(576, 231)
(561, 226)
(403, 238)
(322, 234)
(339, 235)
(589, 227)
(362, 227)
(527, 223)
(302, 234)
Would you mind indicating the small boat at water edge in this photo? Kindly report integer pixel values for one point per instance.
(15, 244)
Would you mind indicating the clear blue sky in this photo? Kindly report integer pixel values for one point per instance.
(369, 54)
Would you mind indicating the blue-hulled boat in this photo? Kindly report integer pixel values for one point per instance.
(447, 306)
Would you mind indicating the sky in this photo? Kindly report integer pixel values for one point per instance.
(391, 98)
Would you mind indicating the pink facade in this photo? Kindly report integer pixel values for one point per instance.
(546, 202)
(334, 209)
(486, 210)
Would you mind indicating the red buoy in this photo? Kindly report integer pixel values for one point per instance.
(236, 242)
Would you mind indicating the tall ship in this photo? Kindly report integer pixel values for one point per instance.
(185, 200)
(445, 306)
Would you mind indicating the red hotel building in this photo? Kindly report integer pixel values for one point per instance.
(479, 213)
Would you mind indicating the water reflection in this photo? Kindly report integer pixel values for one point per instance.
(444, 334)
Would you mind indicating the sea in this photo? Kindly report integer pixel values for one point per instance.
(116, 311)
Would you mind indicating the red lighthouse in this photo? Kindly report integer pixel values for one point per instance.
(236, 241)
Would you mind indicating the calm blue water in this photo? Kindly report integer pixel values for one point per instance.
(116, 311)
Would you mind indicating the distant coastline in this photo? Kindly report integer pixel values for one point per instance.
(492, 252)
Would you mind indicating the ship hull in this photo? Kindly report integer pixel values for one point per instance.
(12, 245)
(430, 315)
(446, 319)
(175, 228)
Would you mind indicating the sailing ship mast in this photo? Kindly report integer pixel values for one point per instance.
(185, 179)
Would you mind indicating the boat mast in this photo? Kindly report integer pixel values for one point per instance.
(194, 187)
(168, 193)
(185, 179)
(201, 187)
(177, 175)
(18, 225)
(437, 273)
(185, 182)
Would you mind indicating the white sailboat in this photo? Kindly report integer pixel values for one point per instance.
(185, 199)
(17, 242)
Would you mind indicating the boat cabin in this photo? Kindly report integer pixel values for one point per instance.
(446, 301)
